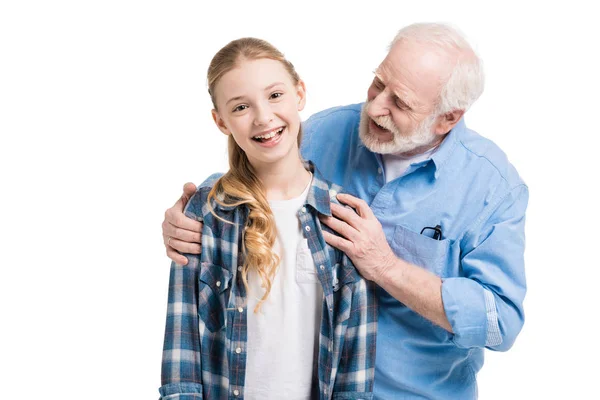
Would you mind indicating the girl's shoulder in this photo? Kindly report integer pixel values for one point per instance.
(210, 209)
(196, 207)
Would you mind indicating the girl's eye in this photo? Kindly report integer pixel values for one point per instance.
(241, 107)
(276, 95)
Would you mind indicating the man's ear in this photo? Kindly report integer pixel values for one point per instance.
(220, 123)
(448, 121)
(301, 93)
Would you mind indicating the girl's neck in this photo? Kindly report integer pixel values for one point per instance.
(284, 179)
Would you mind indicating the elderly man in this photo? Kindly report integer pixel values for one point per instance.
(439, 225)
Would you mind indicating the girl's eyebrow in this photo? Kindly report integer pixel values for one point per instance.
(272, 85)
(234, 99)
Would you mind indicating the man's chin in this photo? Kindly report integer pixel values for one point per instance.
(374, 143)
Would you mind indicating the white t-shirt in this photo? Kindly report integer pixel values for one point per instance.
(283, 337)
(396, 165)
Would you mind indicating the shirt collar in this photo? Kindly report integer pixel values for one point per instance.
(320, 192)
(442, 154)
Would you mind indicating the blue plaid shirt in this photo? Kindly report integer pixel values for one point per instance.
(206, 333)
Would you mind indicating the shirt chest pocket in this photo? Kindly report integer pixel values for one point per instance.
(213, 289)
(421, 250)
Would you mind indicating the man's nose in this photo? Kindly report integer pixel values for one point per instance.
(379, 106)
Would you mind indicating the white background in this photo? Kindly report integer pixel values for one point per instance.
(104, 115)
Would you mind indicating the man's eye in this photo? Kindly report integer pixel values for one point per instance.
(401, 105)
(276, 95)
(241, 107)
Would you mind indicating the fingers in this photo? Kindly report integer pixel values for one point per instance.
(180, 233)
(181, 240)
(175, 217)
(185, 235)
(359, 205)
(188, 191)
(337, 242)
(340, 227)
(347, 215)
(181, 246)
(175, 256)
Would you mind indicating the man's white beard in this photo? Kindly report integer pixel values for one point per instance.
(401, 143)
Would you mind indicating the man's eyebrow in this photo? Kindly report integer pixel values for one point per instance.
(404, 100)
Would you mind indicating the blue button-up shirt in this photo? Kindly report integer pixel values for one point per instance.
(475, 195)
(205, 344)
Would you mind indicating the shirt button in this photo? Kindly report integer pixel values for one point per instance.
(240, 269)
(236, 392)
(218, 283)
(379, 170)
(322, 267)
(238, 350)
(307, 228)
(241, 309)
(303, 209)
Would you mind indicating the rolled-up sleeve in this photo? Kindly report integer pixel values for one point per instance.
(181, 359)
(485, 304)
(181, 391)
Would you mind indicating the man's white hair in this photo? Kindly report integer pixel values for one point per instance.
(465, 83)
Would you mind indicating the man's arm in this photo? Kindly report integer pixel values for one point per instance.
(365, 243)
(485, 304)
(417, 288)
(483, 307)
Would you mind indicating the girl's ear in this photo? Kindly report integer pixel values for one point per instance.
(301, 93)
(220, 123)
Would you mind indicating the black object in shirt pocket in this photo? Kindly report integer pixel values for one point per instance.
(421, 250)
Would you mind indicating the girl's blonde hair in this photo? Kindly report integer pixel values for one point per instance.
(240, 185)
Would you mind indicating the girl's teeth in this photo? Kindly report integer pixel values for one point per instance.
(270, 135)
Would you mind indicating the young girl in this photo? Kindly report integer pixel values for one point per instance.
(269, 310)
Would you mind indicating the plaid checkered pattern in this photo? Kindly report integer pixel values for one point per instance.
(205, 343)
